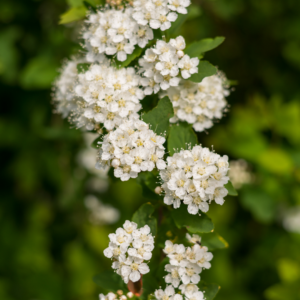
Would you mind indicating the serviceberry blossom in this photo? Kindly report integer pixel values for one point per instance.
(115, 32)
(129, 248)
(132, 148)
(168, 293)
(196, 177)
(108, 96)
(163, 65)
(186, 263)
(199, 103)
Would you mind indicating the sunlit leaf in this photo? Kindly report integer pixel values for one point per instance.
(197, 48)
(210, 290)
(231, 190)
(73, 14)
(205, 69)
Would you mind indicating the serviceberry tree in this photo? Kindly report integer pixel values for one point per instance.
(145, 92)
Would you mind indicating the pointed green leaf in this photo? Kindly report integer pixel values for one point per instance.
(193, 223)
(143, 216)
(210, 290)
(158, 117)
(181, 136)
(231, 190)
(73, 14)
(109, 280)
(205, 69)
(197, 48)
(175, 27)
(149, 182)
(213, 241)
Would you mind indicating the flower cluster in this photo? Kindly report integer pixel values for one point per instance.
(108, 96)
(115, 32)
(197, 177)
(239, 173)
(186, 263)
(162, 65)
(118, 296)
(129, 247)
(199, 103)
(63, 88)
(132, 148)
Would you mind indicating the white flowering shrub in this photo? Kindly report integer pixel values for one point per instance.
(134, 79)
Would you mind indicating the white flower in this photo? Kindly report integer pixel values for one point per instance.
(188, 66)
(199, 103)
(195, 296)
(188, 289)
(109, 296)
(194, 176)
(108, 99)
(179, 5)
(195, 238)
(133, 268)
(130, 247)
(173, 276)
(136, 148)
(167, 294)
(190, 273)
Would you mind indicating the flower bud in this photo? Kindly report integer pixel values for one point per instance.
(115, 162)
(158, 190)
(180, 53)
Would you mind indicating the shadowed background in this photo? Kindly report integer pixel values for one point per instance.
(51, 246)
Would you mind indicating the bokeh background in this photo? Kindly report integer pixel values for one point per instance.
(51, 243)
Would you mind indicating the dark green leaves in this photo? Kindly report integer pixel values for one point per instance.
(196, 49)
(159, 116)
(181, 137)
(213, 241)
(205, 69)
(175, 27)
(143, 216)
(110, 281)
(231, 190)
(81, 68)
(193, 223)
(149, 182)
(210, 290)
(95, 142)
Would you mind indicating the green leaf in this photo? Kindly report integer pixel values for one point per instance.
(158, 117)
(143, 217)
(130, 57)
(194, 11)
(149, 286)
(193, 223)
(82, 68)
(90, 6)
(196, 49)
(213, 241)
(149, 182)
(95, 142)
(176, 26)
(210, 290)
(205, 69)
(181, 136)
(110, 281)
(73, 14)
(231, 190)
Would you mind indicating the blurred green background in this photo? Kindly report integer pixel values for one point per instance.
(50, 249)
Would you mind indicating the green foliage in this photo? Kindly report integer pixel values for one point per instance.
(143, 216)
(210, 289)
(196, 49)
(158, 117)
(95, 143)
(110, 281)
(231, 190)
(193, 223)
(213, 241)
(83, 67)
(73, 14)
(149, 181)
(205, 69)
(181, 136)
